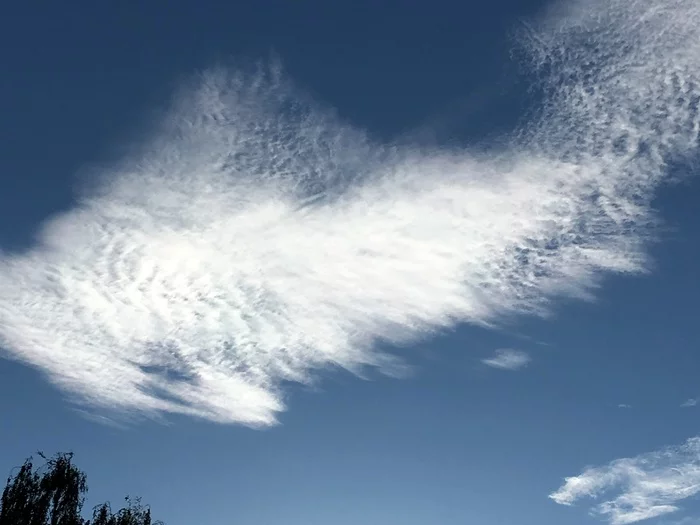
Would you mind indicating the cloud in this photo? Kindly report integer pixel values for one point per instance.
(624, 405)
(689, 403)
(256, 240)
(507, 359)
(639, 488)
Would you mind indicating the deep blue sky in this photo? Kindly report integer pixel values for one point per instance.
(456, 443)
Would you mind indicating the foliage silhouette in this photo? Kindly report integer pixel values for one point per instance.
(55, 494)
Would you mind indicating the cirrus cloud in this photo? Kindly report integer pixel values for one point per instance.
(256, 239)
(507, 359)
(647, 486)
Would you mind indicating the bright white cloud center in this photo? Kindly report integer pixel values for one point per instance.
(257, 239)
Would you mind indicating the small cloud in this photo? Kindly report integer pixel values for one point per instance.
(624, 405)
(507, 359)
(638, 488)
(689, 403)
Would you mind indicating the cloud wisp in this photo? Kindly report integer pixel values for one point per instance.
(639, 488)
(688, 403)
(256, 239)
(507, 359)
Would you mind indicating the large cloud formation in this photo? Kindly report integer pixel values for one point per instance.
(256, 239)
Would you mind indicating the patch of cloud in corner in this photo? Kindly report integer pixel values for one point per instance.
(638, 488)
(507, 359)
(689, 403)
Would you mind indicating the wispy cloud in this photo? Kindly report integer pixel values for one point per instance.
(689, 403)
(507, 359)
(624, 405)
(256, 239)
(638, 488)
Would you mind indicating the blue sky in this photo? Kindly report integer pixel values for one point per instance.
(355, 262)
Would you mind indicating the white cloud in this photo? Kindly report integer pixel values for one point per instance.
(689, 403)
(624, 405)
(638, 488)
(256, 239)
(507, 359)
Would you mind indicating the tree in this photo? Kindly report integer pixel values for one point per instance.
(55, 494)
(133, 514)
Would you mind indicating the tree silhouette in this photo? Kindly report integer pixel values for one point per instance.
(133, 514)
(55, 494)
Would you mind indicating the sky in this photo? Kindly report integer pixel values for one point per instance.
(355, 262)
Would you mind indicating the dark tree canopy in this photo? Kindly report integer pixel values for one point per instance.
(54, 494)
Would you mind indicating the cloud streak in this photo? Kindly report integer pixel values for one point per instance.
(256, 239)
(643, 487)
(507, 359)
